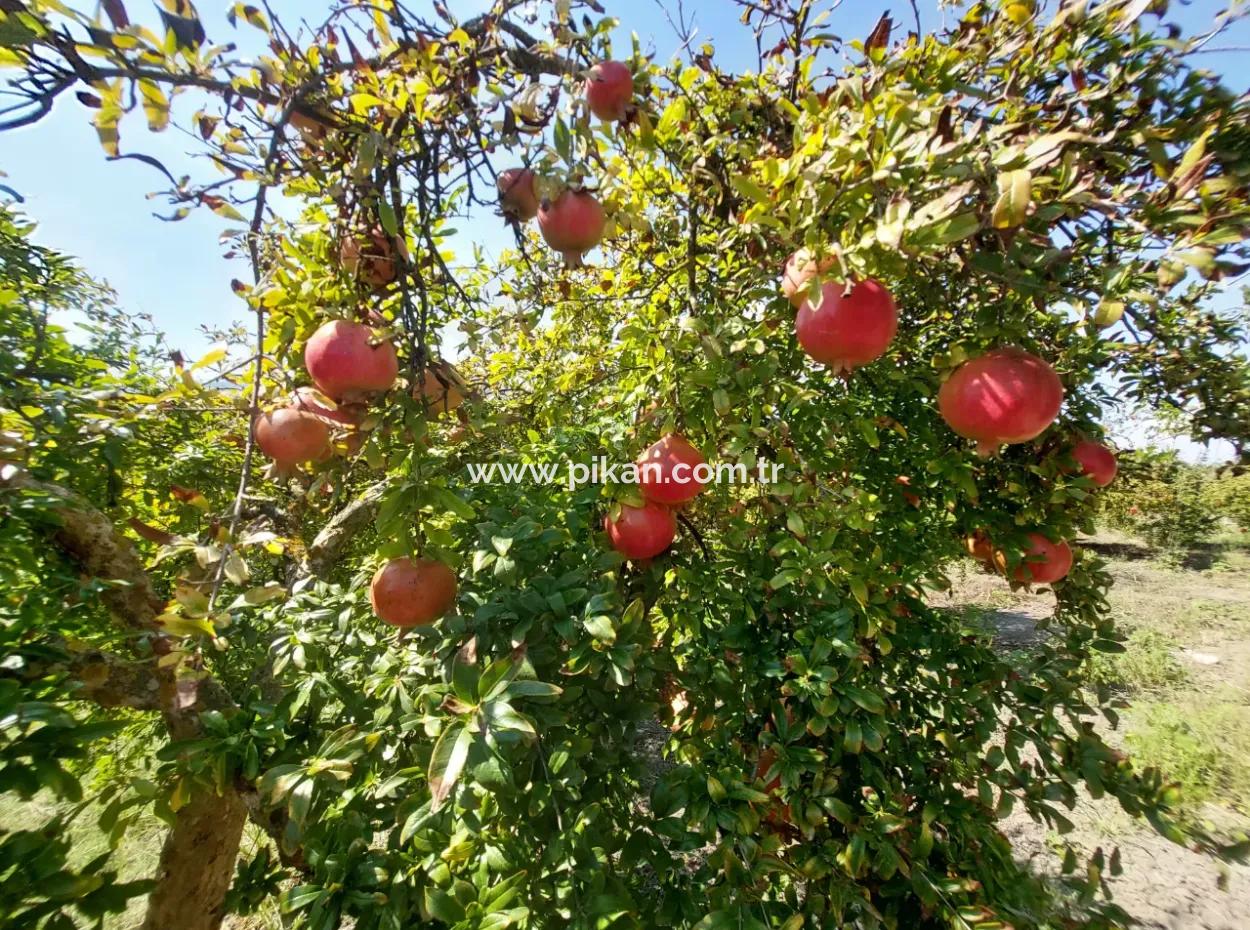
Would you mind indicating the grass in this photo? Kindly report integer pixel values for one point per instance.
(1202, 743)
(1148, 663)
(136, 856)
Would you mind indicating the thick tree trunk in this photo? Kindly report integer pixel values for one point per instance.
(197, 864)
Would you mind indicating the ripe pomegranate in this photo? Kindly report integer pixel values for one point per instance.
(517, 199)
(310, 400)
(412, 592)
(610, 91)
(1096, 460)
(1045, 562)
(801, 267)
(978, 546)
(641, 532)
(345, 364)
(779, 816)
(370, 256)
(848, 329)
(659, 477)
(288, 435)
(441, 391)
(572, 224)
(1004, 396)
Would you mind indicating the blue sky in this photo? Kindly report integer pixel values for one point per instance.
(99, 211)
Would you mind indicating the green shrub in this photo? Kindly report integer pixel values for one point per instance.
(1162, 500)
(1229, 497)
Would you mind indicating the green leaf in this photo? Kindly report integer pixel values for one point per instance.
(498, 676)
(443, 906)
(749, 189)
(447, 761)
(386, 216)
(533, 689)
(868, 700)
(465, 672)
(600, 627)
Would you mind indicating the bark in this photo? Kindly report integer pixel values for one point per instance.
(197, 864)
(324, 551)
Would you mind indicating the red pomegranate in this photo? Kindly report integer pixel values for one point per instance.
(412, 592)
(666, 471)
(1004, 396)
(1096, 460)
(641, 532)
(517, 199)
(610, 91)
(800, 269)
(572, 224)
(288, 435)
(848, 329)
(310, 400)
(345, 364)
(779, 816)
(1044, 562)
(371, 257)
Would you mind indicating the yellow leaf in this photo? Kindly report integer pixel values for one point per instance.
(210, 358)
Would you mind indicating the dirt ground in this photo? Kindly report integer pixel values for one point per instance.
(1201, 616)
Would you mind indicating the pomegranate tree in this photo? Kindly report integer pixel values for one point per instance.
(412, 592)
(1044, 562)
(517, 199)
(349, 361)
(666, 471)
(289, 435)
(1098, 463)
(847, 328)
(1005, 396)
(572, 224)
(641, 532)
(610, 91)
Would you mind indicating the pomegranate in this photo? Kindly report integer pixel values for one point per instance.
(1096, 460)
(310, 400)
(610, 91)
(1044, 562)
(345, 364)
(666, 471)
(289, 435)
(572, 224)
(800, 269)
(412, 592)
(1004, 396)
(978, 546)
(441, 391)
(847, 329)
(641, 532)
(370, 256)
(779, 816)
(517, 199)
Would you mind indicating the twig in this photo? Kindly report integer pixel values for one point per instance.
(698, 537)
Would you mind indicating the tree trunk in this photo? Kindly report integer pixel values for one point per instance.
(197, 864)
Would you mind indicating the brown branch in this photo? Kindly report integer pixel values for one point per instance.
(89, 538)
(327, 545)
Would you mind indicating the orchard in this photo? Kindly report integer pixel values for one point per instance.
(907, 272)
